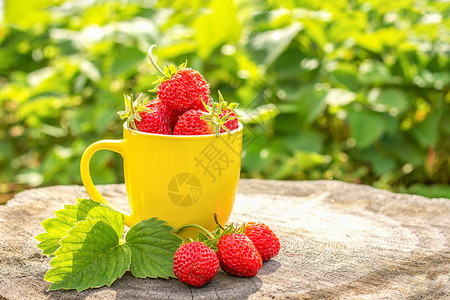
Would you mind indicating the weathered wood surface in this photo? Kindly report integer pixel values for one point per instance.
(339, 241)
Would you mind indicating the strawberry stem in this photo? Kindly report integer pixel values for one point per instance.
(152, 60)
(217, 222)
(209, 234)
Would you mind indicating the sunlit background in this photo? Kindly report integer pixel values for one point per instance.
(349, 90)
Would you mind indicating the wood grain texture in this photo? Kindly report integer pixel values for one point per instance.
(338, 241)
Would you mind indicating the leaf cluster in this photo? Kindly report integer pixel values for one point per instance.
(87, 249)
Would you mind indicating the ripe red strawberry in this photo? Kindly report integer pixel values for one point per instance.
(231, 123)
(264, 239)
(213, 119)
(171, 115)
(179, 88)
(238, 256)
(227, 115)
(145, 116)
(184, 91)
(195, 264)
(192, 122)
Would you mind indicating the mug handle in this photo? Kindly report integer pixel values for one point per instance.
(112, 145)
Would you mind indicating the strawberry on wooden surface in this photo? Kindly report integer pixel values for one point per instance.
(264, 239)
(195, 264)
(238, 256)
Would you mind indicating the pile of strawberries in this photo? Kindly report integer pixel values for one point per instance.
(238, 251)
(183, 105)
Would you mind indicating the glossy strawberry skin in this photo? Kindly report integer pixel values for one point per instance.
(171, 116)
(184, 91)
(154, 120)
(230, 124)
(190, 123)
(264, 239)
(195, 264)
(238, 256)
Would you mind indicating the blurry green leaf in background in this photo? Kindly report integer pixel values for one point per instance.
(351, 90)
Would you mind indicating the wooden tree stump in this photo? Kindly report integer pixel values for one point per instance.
(338, 240)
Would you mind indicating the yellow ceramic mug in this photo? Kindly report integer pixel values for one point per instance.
(179, 179)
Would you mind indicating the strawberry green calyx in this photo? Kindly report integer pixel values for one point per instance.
(165, 73)
(224, 105)
(219, 113)
(211, 117)
(133, 108)
(211, 239)
(228, 229)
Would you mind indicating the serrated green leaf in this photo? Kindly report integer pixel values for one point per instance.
(65, 219)
(84, 207)
(427, 132)
(152, 248)
(110, 217)
(366, 127)
(90, 256)
(56, 230)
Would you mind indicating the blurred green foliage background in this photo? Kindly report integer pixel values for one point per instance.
(350, 90)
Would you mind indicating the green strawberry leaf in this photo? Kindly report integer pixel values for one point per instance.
(110, 217)
(83, 207)
(152, 248)
(57, 228)
(90, 256)
(366, 126)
